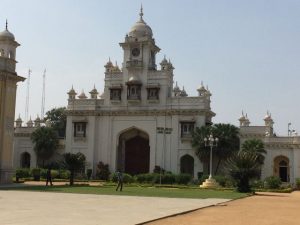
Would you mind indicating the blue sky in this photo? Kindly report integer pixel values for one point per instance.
(247, 52)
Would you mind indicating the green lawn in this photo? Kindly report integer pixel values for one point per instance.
(137, 191)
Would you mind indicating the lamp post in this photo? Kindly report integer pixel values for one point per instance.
(211, 142)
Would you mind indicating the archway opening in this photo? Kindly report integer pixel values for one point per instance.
(187, 164)
(133, 152)
(25, 160)
(281, 168)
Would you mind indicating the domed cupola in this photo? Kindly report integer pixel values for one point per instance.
(6, 35)
(140, 28)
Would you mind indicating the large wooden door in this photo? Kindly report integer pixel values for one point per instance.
(137, 155)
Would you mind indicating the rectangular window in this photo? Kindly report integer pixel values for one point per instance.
(153, 93)
(80, 129)
(187, 129)
(134, 92)
(115, 94)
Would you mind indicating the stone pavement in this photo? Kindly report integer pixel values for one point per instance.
(45, 208)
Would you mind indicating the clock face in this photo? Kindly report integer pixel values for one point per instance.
(135, 52)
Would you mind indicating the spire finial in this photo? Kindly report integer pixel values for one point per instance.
(202, 83)
(6, 25)
(141, 13)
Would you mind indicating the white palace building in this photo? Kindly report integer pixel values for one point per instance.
(141, 120)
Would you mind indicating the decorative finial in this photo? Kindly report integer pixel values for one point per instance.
(242, 112)
(141, 13)
(6, 25)
(202, 83)
(108, 59)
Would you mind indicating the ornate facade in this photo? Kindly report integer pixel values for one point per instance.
(283, 152)
(142, 119)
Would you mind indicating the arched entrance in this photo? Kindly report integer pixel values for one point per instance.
(282, 168)
(133, 152)
(187, 164)
(25, 160)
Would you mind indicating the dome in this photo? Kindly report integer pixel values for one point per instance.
(140, 28)
(6, 35)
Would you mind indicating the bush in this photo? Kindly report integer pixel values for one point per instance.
(36, 173)
(147, 178)
(224, 181)
(89, 173)
(183, 178)
(298, 183)
(43, 173)
(22, 173)
(127, 178)
(102, 172)
(272, 182)
(64, 174)
(203, 178)
(257, 184)
(168, 178)
(54, 174)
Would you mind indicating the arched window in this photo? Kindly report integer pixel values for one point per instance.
(11, 55)
(2, 52)
(281, 168)
(187, 164)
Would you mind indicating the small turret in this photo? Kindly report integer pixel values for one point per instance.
(183, 93)
(37, 121)
(109, 66)
(82, 95)
(19, 122)
(94, 93)
(201, 90)
(247, 121)
(269, 124)
(176, 90)
(242, 119)
(30, 123)
(72, 94)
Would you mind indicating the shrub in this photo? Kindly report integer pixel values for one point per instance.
(64, 174)
(54, 174)
(22, 173)
(89, 173)
(127, 178)
(102, 172)
(272, 182)
(298, 183)
(36, 173)
(168, 178)
(147, 177)
(43, 173)
(203, 178)
(257, 184)
(183, 178)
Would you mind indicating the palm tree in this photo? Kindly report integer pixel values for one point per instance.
(256, 147)
(227, 145)
(74, 162)
(242, 167)
(45, 143)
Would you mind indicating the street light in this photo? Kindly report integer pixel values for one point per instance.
(211, 142)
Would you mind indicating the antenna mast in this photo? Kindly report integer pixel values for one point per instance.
(43, 96)
(27, 96)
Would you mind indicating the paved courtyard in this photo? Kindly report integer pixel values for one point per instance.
(44, 208)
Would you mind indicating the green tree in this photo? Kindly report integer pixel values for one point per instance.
(58, 120)
(45, 143)
(227, 145)
(74, 163)
(242, 167)
(255, 146)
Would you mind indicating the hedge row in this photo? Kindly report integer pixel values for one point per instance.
(38, 173)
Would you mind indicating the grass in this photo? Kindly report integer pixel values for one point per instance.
(167, 192)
